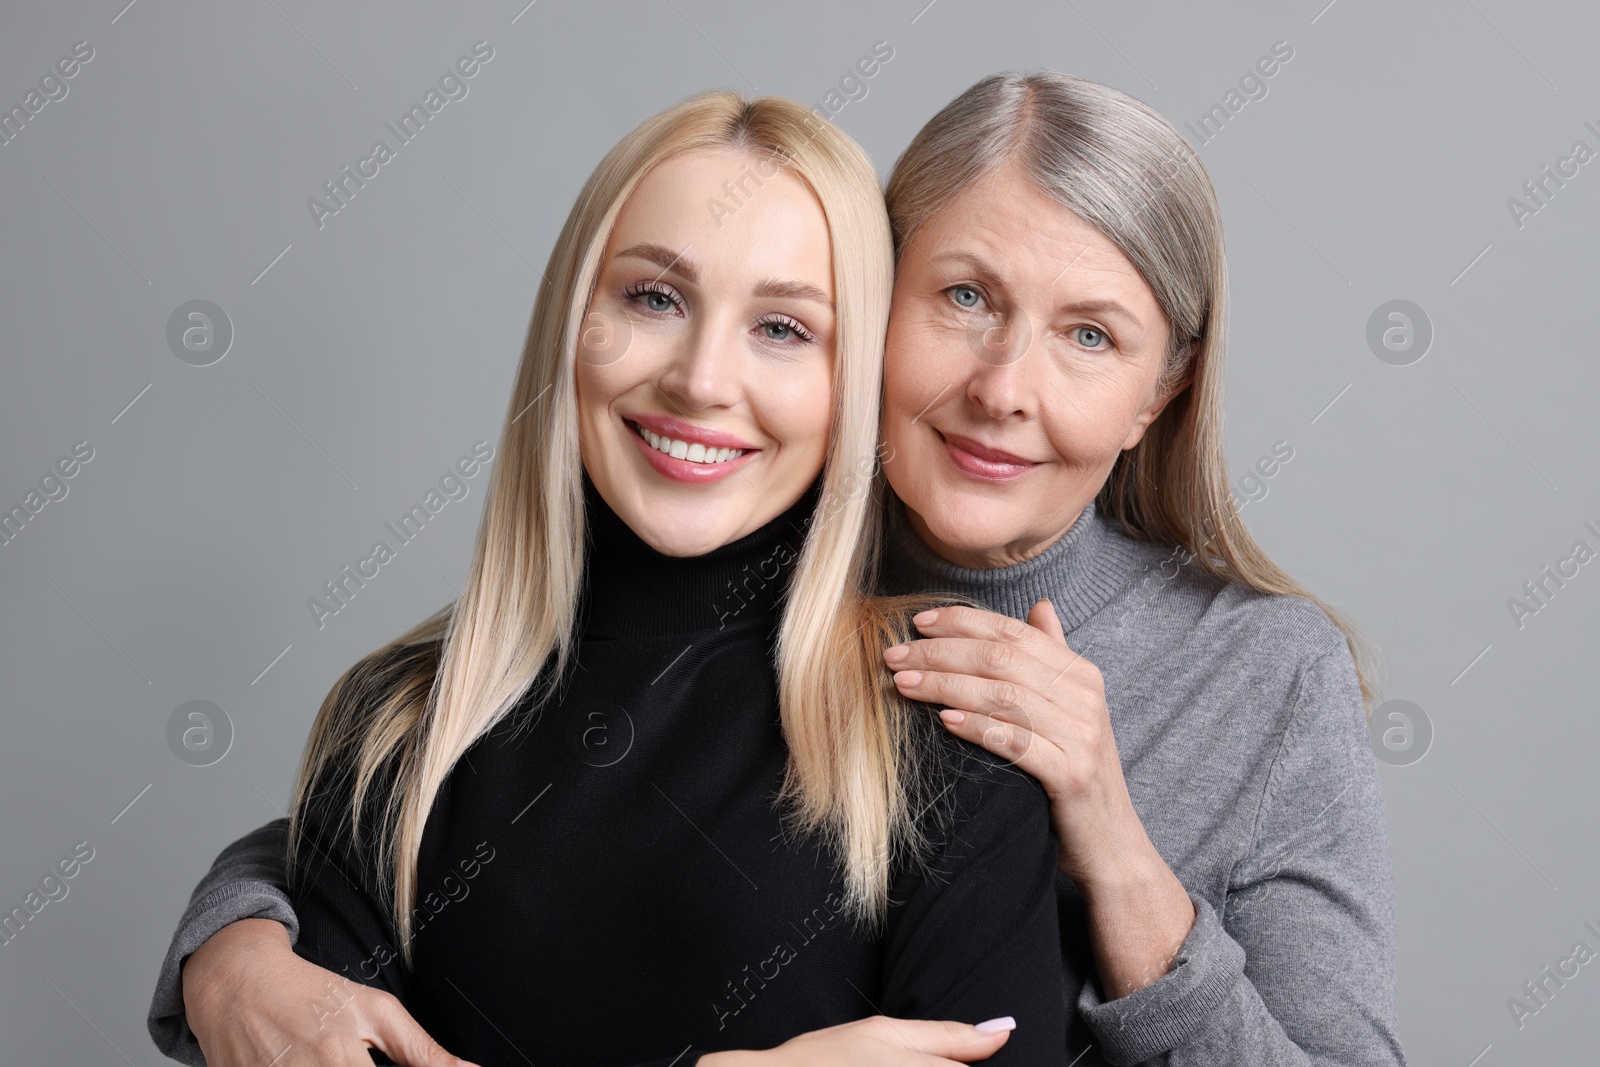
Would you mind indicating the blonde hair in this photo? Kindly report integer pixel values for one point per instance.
(395, 724)
(1123, 168)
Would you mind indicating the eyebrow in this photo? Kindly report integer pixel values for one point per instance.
(985, 273)
(667, 259)
(1101, 307)
(975, 263)
(795, 290)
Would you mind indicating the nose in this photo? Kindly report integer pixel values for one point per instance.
(705, 372)
(1005, 381)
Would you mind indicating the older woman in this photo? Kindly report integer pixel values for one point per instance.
(1053, 397)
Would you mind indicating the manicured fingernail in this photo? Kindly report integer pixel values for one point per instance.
(994, 1026)
(907, 677)
(952, 716)
(896, 654)
(924, 618)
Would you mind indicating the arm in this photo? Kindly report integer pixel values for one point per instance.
(245, 882)
(232, 991)
(236, 941)
(1299, 968)
(977, 935)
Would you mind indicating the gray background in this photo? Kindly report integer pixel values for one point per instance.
(375, 351)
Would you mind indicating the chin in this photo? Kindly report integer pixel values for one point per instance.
(971, 536)
(673, 544)
(686, 532)
(963, 520)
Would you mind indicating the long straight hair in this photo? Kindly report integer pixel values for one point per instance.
(395, 724)
(1121, 167)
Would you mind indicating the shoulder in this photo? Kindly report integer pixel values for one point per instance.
(1193, 658)
(984, 826)
(1168, 587)
(1238, 621)
(1276, 670)
(976, 798)
(1172, 609)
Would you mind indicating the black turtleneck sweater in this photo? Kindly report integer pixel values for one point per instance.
(606, 883)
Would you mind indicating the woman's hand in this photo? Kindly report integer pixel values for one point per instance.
(252, 1002)
(879, 1041)
(1019, 691)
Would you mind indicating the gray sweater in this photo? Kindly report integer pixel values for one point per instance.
(1239, 724)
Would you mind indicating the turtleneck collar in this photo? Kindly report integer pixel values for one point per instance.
(631, 590)
(1079, 573)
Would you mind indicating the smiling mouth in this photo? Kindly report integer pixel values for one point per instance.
(690, 451)
(983, 463)
(986, 453)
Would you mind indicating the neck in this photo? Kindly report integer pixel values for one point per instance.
(1007, 555)
(631, 590)
(1078, 571)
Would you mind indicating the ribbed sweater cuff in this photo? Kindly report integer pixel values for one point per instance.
(228, 903)
(1169, 1011)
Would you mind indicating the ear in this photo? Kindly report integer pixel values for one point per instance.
(1158, 402)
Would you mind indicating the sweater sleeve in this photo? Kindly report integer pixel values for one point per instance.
(1299, 967)
(975, 934)
(245, 882)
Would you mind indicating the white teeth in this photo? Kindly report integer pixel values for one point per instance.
(695, 453)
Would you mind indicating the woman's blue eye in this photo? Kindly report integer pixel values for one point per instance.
(653, 296)
(964, 295)
(1089, 337)
(783, 330)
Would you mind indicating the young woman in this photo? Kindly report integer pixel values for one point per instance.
(651, 800)
(1053, 402)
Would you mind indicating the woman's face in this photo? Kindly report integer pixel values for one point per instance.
(1023, 356)
(705, 368)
